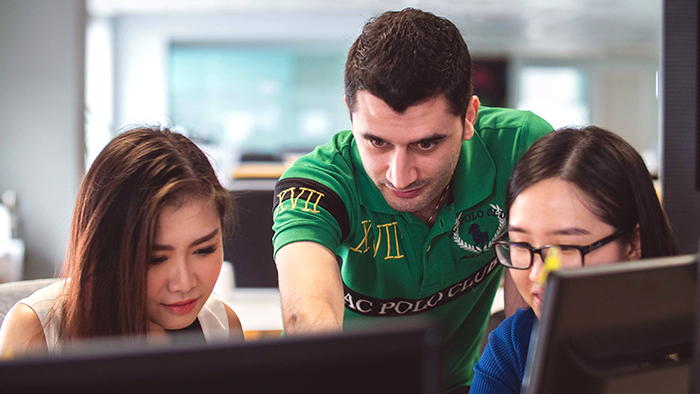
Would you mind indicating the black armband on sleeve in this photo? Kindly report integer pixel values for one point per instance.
(294, 188)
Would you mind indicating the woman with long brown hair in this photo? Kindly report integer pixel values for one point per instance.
(144, 253)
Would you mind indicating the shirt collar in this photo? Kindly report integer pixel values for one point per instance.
(475, 175)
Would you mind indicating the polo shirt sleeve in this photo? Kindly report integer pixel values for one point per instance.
(533, 127)
(312, 198)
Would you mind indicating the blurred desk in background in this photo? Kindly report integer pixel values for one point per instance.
(259, 310)
(258, 171)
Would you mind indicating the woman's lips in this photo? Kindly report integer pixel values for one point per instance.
(539, 299)
(407, 194)
(181, 307)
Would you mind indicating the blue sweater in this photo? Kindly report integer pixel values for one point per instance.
(502, 365)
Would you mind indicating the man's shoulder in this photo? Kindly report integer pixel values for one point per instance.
(491, 118)
(328, 170)
(317, 196)
(333, 157)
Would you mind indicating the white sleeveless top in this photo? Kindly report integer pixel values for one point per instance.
(212, 317)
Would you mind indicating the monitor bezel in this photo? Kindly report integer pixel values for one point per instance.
(535, 373)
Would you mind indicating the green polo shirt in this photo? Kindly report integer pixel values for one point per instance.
(394, 265)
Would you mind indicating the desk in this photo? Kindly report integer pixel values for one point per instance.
(258, 171)
(259, 310)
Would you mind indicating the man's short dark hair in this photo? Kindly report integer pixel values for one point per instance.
(406, 57)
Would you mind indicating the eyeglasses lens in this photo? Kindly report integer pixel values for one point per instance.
(518, 256)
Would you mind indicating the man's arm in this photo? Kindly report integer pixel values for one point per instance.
(311, 289)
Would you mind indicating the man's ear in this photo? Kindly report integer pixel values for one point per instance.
(470, 118)
(345, 100)
(634, 248)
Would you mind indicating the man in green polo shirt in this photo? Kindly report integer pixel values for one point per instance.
(411, 200)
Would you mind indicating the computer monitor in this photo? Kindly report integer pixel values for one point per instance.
(402, 360)
(695, 380)
(621, 328)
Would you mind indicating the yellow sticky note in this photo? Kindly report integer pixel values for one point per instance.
(551, 263)
(7, 354)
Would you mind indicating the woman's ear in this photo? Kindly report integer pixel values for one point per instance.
(634, 247)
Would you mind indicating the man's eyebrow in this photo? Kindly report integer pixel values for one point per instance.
(194, 243)
(370, 136)
(433, 138)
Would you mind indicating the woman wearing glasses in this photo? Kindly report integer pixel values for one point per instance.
(587, 195)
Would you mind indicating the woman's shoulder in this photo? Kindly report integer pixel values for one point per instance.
(502, 365)
(21, 332)
(217, 318)
(46, 294)
(523, 318)
(509, 342)
(516, 325)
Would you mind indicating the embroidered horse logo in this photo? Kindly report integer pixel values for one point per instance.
(480, 238)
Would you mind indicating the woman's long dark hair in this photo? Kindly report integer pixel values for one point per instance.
(611, 174)
(114, 223)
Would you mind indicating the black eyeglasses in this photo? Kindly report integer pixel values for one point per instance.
(520, 255)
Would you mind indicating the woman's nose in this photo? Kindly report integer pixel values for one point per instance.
(183, 278)
(536, 268)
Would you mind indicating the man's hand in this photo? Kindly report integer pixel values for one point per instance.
(310, 287)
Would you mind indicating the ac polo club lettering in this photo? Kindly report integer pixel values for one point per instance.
(370, 306)
(392, 264)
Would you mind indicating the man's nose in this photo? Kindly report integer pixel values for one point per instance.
(401, 172)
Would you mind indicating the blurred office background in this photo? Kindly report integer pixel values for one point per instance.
(263, 79)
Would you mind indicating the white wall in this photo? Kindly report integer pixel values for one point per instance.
(141, 49)
(625, 101)
(621, 95)
(621, 86)
(41, 134)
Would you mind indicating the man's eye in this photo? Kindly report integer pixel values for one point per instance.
(376, 143)
(425, 145)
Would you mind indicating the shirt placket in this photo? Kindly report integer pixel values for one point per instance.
(435, 248)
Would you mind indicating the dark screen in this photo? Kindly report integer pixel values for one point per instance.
(621, 328)
(402, 360)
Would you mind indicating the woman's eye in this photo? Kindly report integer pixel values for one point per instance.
(205, 251)
(568, 250)
(158, 260)
(519, 246)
